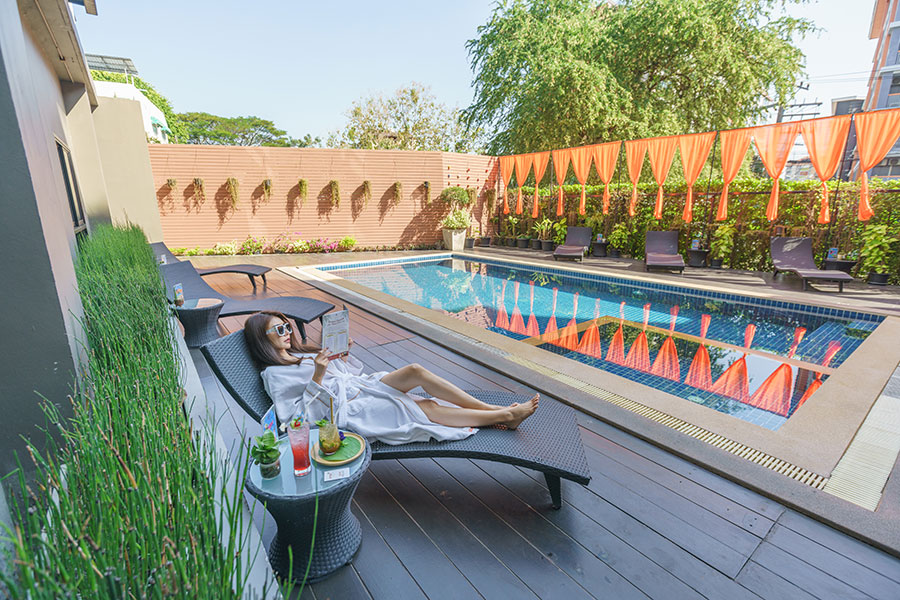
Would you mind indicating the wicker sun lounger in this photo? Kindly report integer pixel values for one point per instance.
(794, 255)
(251, 271)
(548, 441)
(661, 251)
(577, 241)
(303, 310)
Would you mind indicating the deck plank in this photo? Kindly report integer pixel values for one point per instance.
(805, 576)
(770, 586)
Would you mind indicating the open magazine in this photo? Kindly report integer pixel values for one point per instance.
(336, 332)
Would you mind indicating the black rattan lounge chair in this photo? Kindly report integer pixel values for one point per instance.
(302, 310)
(577, 241)
(661, 251)
(794, 255)
(251, 271)
(548, 441)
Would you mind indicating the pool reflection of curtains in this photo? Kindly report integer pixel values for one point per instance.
(824, 138)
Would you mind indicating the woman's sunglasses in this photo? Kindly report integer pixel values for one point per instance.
(281, 329)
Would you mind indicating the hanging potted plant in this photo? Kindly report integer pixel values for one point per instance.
(721, 245)
(454, 228)
(875, 255)
(542, 231)
(618, 240)
(266, 453)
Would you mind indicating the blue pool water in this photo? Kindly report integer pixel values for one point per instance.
(484, 294)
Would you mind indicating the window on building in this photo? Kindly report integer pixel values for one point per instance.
(76, 206)
(893, 99)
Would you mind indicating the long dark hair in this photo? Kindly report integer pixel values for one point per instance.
(260, 346)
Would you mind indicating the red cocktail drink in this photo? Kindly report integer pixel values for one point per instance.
(299, 437)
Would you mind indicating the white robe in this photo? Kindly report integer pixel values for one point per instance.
(362, 403)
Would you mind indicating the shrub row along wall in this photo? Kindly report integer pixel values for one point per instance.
(191, 219)
(799, 208)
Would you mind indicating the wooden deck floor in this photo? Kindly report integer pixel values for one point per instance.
(650, 525)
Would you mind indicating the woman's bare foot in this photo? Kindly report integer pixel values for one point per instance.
(520, 412)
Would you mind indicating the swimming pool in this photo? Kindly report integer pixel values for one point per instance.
(757, 360)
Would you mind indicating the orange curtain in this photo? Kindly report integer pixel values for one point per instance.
(700, 374)
(568, 336)
(733, 382)
(581, 164)
(502, 319)
(506, 170)
(523, 166)
(666, 363)
(605, 156)
(734, 144)
(561, 167)
(540, 160)
(774, 144)
(661, 151)
(639, 354)
(551, 335)
(516, 322)
(532, 329)
(825, 140)
(876, 133)
(634, 158)
(694, 152)
(774, 395)
(590, 341)
(616, 351)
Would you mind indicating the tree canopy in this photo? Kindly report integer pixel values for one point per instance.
(161, 102)
(204, 128)
(558, 73)
(410, 119)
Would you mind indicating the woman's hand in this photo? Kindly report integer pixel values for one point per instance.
(349, 346)
(321, 361)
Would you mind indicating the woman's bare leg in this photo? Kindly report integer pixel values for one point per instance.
(414, 375)
(510, 416)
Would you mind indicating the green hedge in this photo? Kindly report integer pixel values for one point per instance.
(798, 210)
(138, 514)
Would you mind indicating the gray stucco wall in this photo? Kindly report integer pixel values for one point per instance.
(39, 305)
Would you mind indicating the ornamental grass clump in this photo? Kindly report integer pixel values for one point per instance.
(127, 505)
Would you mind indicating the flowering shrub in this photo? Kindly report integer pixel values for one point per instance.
(284, 244)
(251, 246)
(229, 248)
(346, 244)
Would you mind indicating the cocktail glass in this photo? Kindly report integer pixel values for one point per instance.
(329, 438)
(299, 438)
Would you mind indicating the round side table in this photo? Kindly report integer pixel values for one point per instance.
(200, 317)
(835, 264)
(697, 258)
(291, 502)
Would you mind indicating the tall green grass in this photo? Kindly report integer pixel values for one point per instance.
(126, 505)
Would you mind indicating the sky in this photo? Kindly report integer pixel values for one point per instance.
(302, 63)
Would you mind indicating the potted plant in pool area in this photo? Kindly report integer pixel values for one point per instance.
(266, 453)
(875, 254)
(470, 241)
(618, 240)
(522, 240)
(559, 230)
(454, 228)
(542, 231)
(721, 245)
(512, 232)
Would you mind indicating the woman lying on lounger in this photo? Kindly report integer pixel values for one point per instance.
(375, 405)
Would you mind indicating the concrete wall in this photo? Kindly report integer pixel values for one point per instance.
(85, 155)
(188, 222)
(126, 165)
(39, 304)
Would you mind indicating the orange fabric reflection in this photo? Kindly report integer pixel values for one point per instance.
(876, 133)
(523, 166)
(699, 374)
(825, 140)
(639, 354)
(616, 351)
(694, 150)
(734, 144)
(532, 329)
(661, 151)
(516, 322)
(502, 319)
(605, 156)
(666, 363)
(568, 336)
(560, 167)
(733, 382)
(634, 158)
(540, 160)
(551, 335)
(581, 164)
(590, 341)
(774, 144)
(833, 348)
(506, 170)
(774, 395)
